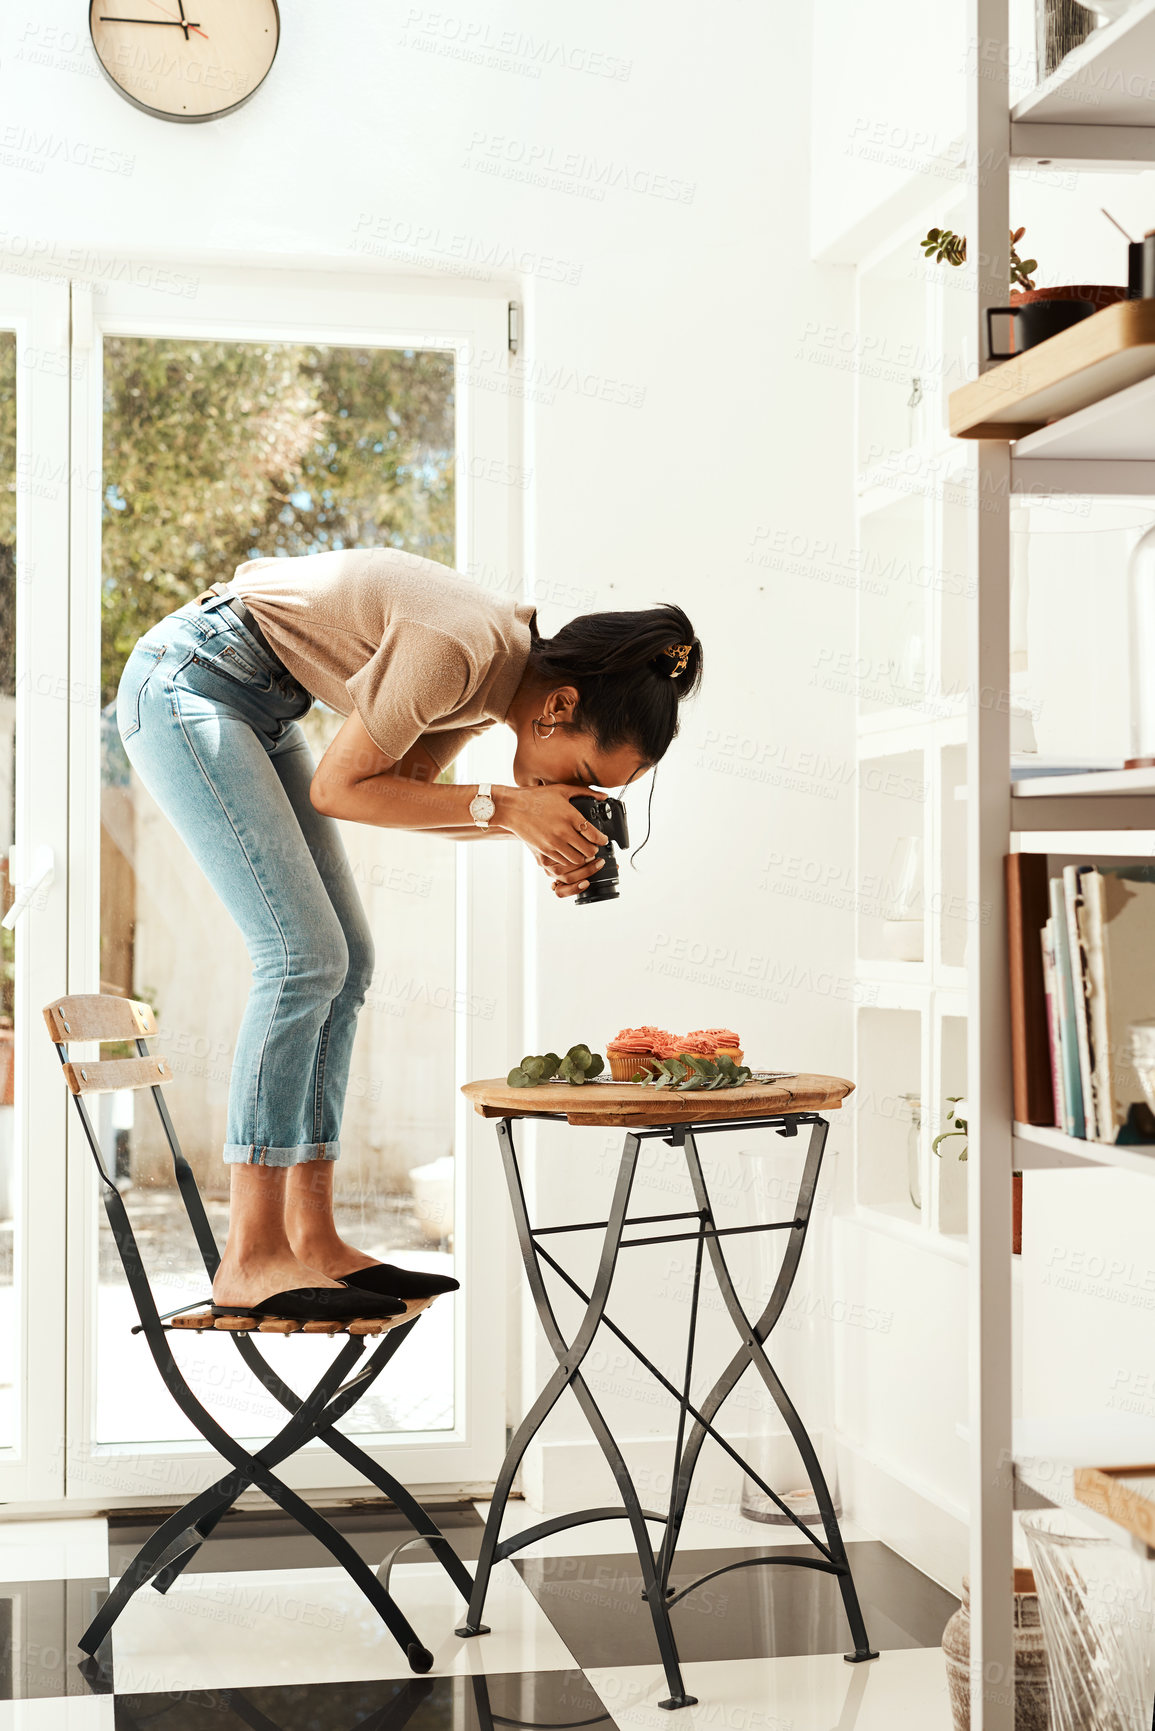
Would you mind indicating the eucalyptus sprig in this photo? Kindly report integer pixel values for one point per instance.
(688, 1072)
(578, 1065)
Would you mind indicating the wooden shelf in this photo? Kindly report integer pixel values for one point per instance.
(1123, 1494)
(1093, 784)
(1104, 355)
(1048, 1452)
(1039, 1149)
(1106, 81)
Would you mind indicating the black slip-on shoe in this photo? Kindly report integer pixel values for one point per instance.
(317, 1304)
(405, 1283)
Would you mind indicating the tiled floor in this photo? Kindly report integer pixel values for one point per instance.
(261, 1631)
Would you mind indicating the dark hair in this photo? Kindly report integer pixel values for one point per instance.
(624, 667)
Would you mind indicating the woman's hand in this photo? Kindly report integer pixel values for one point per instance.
(568, 880)
(552, 828)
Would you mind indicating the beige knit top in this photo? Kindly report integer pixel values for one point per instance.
(418, 650)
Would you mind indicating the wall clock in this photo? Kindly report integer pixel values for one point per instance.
(185, 59)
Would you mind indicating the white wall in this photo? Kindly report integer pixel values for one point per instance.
(686, 453)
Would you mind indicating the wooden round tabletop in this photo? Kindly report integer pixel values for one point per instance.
(636, 1103)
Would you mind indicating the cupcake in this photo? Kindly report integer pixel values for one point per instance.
(719, 1042)
(692, 1046)
(632, 1050)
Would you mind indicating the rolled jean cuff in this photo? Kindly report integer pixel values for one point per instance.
(257, 1154)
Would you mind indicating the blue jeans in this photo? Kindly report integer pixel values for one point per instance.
(210, 722)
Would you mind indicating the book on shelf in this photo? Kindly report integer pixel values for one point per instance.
(1076, 940)
(1030, 1043)
(1072, 1082)
(1082, 971)
(1051, 992)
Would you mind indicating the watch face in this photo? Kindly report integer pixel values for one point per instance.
(482, 807)
(185, 59)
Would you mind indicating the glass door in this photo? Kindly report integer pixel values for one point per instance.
(35, 690)
(283, 422)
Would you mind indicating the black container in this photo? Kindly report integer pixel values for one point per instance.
(1135, 269)
(609, 815)
(1035, 322)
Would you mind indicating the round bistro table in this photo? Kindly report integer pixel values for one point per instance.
(645, 1113)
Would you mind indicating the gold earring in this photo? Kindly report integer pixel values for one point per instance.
(542, 732)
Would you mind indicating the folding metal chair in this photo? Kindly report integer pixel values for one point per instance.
(101, 1019)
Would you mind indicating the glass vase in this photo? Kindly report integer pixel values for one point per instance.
(913, 1105)
(1096, 1608)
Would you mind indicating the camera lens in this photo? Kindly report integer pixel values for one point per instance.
(609, 816)
(603, 884)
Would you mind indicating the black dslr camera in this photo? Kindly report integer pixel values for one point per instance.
(608, 815)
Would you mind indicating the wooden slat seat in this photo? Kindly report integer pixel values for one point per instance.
(204, 1322)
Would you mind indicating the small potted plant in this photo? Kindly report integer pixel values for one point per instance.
(1055, 308)
(957, 1128)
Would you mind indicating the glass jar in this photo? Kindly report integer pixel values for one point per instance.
(913, 1104)
(902, 928)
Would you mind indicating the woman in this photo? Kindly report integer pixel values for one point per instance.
(419, 660)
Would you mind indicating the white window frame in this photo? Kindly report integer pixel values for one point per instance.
(35, 308)
(320, 307)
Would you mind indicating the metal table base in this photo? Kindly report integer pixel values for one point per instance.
(695, 1421)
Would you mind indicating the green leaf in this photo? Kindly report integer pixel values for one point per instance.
(642, 1076)
(517, 1078)
(596, 1064)
(580, 1055)
(552, 1063)
(534, 1068)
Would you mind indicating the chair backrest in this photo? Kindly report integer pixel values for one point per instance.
(102, 1019)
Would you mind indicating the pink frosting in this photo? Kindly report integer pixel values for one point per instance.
(645, 1039)
(720, 1038)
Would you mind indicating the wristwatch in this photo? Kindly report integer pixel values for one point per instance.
(481, 806)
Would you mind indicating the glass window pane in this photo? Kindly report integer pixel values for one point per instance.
(215, 453)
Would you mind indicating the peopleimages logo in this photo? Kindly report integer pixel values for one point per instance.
(570, 170)
(473, 39)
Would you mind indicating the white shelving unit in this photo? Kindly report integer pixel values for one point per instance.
(936, 713)
(1094, 111)
(911, 689)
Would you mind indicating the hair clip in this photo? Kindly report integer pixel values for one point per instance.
(679, 654)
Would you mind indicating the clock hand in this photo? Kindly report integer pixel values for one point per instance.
(181, 20)
(169, 18)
